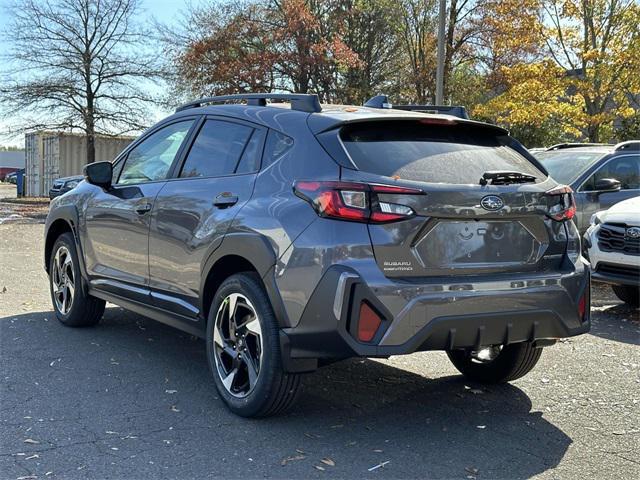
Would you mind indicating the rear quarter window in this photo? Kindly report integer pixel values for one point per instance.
(412, 150)
(277, 145)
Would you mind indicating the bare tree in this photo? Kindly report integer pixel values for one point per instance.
(78, 65)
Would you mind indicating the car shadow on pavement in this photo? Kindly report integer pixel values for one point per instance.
(620, 323)
(133, 376)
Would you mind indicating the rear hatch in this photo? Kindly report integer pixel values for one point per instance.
(480, 204)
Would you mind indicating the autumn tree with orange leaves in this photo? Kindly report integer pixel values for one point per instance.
(549, 70)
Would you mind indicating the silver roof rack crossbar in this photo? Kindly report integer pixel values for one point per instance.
(302, 102)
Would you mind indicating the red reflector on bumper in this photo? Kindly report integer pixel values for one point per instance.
(368, 323)
(582, 306)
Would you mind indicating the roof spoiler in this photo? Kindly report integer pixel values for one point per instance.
(382, 101)
(302, 102)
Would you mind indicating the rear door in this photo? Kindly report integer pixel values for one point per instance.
(195, 209)
(117, 220)
(461, 226)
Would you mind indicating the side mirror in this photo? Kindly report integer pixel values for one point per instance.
(607, 185)
(99, 173)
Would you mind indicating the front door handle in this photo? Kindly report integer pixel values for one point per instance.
(225, 200)
(143, 208)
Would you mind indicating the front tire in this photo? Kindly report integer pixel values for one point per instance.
(629, 294)
(243, 350)
(512, 362)
(72, 306)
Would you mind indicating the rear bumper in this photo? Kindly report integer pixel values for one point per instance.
(437, 316)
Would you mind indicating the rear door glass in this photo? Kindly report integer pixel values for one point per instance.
(411, 150)
(216, 150)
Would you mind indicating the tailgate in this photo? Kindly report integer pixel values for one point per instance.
(462, 225)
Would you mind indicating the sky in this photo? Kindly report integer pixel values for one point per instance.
(165, 11)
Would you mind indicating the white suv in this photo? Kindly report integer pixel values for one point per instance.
(613, 240)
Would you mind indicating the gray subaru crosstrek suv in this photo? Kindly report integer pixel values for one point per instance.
(291, 235)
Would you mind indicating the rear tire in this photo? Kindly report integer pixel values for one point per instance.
(629, 294)
(72, 306)
(243, 350)
(513, 361)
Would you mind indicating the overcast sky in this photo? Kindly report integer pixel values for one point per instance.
(166, 11)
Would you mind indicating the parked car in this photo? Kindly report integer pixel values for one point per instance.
(13, 176)
(63, 185)
(600, 175)
(291, 235)
(613, 241)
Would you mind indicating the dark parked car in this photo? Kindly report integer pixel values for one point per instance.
(13, 176)
(63, 185)
(292, 235)
(600, 175)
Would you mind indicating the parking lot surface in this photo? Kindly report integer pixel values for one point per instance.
(132, 398)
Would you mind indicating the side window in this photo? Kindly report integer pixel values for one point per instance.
(117, 168)
(151, 159)
(216, 150)
(625, 169)
(250, 161)
(277, 145)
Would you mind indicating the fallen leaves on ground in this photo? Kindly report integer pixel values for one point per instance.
(294, 458)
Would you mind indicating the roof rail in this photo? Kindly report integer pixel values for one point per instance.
(562, 146)
(628, 145)
(382, 101)
(302, 102)
(455, 110)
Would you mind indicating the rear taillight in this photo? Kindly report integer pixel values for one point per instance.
(356, 202)
(562, 205)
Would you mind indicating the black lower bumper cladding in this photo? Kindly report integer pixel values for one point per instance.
(321, 336)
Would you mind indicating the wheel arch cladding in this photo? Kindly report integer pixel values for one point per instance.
(218, 273)
(57, 228)
(241, 252)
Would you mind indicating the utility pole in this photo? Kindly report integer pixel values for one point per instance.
(440, 68)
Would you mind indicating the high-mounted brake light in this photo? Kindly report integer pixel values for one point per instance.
(563, 204)
(356, 202)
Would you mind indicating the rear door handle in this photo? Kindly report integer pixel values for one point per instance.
(225, 200)
(143, 208)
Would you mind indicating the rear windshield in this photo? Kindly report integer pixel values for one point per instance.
(412, 150)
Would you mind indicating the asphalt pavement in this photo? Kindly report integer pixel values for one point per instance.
(133, 399)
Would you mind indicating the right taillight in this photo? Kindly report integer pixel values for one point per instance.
(562, 205)
(353, 201)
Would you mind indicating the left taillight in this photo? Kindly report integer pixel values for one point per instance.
(562, 205)
(355, 202)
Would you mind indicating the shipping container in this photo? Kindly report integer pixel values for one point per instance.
(51, 155)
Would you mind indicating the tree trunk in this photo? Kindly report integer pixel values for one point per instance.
(91, 146)
(90, 130)
(451, 29)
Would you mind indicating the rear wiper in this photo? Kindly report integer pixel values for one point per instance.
(498, 177)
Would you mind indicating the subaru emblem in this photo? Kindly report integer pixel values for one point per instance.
(633, 232)
(492, 202)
